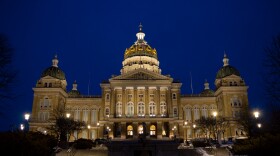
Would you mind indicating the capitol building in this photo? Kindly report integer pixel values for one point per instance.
(140, 100)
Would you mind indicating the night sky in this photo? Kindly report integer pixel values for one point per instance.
(90, 38)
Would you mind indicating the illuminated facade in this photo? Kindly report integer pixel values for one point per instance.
(140, 100)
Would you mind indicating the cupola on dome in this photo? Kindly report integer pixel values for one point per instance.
(54, 71)
(227, 70)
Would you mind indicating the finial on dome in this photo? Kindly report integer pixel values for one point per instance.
(206, 85)
(140, 35)
(75, 85)
(225, 59)
(140, 27)
(55, 61)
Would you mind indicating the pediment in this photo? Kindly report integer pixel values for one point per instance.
(141, 74)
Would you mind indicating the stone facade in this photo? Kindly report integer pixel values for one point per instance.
(140, 100)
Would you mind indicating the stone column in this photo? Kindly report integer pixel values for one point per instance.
(135, 130)
(148, 124)
(113, 103)
(146, 96)
(169, 103)
(123, 130)
(159, 130)
(157, 101)
(123, 102)
(135, 101)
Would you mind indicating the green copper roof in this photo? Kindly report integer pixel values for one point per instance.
(227, 71)
(207, 92)
(54, 72)
(73, 93)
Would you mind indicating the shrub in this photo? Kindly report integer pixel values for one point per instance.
(83, 144)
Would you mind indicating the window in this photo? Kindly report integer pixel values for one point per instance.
(130, 109)
(174, 97)
(141, 109)
(43, 116)
(107, 111)
(175, 111)
(141, 97)
(85, 115)
(196, 113)
(94, 116)
(45, 85)
(129, 130)
(204, 112)
(50, 84)
(77, 115)
(129, 97)
(152, 108)
(152, 130)
(140, 129)
(119, 109)
(107, 97)
(163, 108)
(188, 114)
(46, 102)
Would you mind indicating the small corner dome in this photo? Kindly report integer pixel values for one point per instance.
(54, 71)
(207, 92)
(73, 93)
(227, 71)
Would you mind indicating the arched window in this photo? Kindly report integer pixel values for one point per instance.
(174, 97)
(188, 114)
(140, 129)
(129, 130)
(50, 84)
(196, 113)
(46, 85)
(175, 111)
(130, 109)
(119, 109)
(46, 102)
(152, 109)
(107, 111)
(77, 114)
(107, 97)
(152, 130)
(204, 111)
(141, 109)
(163, 109)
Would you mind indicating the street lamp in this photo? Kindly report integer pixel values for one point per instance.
(68, 115)
(215, 115)
(256, 114)
(186, 131)
(21, 127)
(88, 131)
(26, 117)
(97, 129)
(194, 129)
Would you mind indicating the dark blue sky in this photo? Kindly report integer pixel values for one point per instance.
(90, 38)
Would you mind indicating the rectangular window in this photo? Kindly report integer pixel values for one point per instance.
(175, 111)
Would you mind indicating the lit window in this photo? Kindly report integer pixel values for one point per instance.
(129, 130)
(130, 109)
(163, 109)
(140, 129)
(141, 109)
(152, 108)
(152, 130)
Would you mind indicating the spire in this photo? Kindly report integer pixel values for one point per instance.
(140, 35)
(206, 85)
(225, 59)
(55, 61)
(75, 85)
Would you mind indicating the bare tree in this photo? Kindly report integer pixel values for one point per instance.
(272, 64)
(272, 82)
(7, 75)
(63, 127)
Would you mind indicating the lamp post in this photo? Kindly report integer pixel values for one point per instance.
(194, 129)
(67, 116)
(97, 129)
(88, 131)
(215, 115)
(186, 131)
(26, 117)
(256, 114)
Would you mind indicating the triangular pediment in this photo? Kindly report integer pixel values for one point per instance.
(141, 74)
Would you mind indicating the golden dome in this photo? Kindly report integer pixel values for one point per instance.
(140, 50)
(140, 47)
